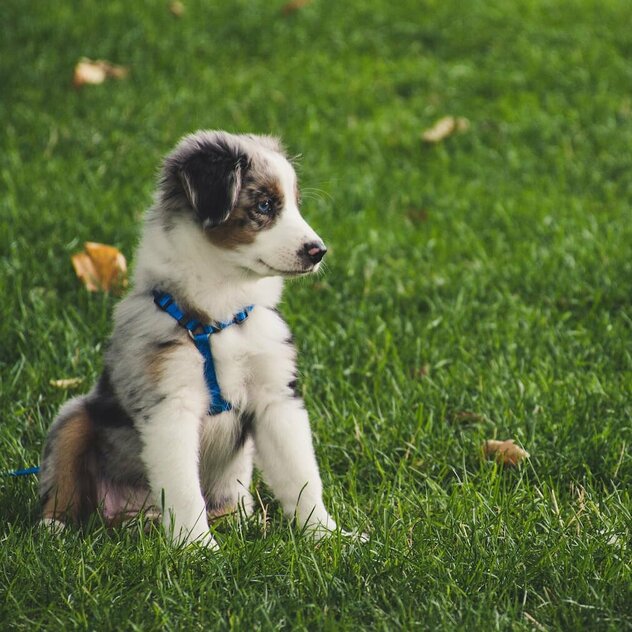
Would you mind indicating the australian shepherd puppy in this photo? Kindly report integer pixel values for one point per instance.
(223, 232)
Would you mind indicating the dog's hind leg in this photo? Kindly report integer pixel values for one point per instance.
(67, 480)
(229, 490)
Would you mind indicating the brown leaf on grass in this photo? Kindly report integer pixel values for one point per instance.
(505, 452)
(445, 127)
(101, 267)
(177, 8)
(421, 371)
(417, 215)
(68, 382)
(95, 72)
(468, 417)
(293, 6)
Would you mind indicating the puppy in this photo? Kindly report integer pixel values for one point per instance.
(156, 432)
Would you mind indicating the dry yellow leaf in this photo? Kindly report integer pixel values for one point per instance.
(445, 127)
(101, 267)
(95, 72)
(69, 382)
(85, 270)
(109, 262)
(505, 452)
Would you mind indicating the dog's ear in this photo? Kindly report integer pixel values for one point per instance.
(211, 180)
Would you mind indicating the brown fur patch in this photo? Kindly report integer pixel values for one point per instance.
(158, 360)
(245, 221)
(215, 513)
(73, 494)
(237, 230)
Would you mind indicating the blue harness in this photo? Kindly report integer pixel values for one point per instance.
(26, 472)
(201, 335)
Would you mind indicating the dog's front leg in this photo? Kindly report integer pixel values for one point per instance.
(171, 443)
(286, 457)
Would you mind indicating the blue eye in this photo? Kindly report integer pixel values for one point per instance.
(265, 206)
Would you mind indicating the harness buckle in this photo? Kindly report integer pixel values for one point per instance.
(193, 335)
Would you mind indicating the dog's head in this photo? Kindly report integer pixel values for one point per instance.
(242, 193)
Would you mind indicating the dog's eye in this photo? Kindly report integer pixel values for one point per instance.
(265, 206)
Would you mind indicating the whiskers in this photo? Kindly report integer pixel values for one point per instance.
(313, 193)
(322, 269)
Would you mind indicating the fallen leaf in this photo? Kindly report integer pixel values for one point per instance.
(469, 417)
(445, 127)
(101, 267)
(421, 371)
(176, 8)
(293, 6)
(417, 214)
(84, 269)
(87, 72)
(69, 382)
(505, 452)
(95, 72)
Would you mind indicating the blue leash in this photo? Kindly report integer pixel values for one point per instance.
(201, 335)
(25, 472)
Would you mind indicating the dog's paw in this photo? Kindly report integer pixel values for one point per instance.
(196, 537)
(355, 535)
(319, 527)
(54, 526)
(207, 541)
(326, 527)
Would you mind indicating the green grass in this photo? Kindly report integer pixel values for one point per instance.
(488, 275)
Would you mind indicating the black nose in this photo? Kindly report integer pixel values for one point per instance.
(313, 252)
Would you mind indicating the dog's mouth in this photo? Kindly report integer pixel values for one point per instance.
(287, 272)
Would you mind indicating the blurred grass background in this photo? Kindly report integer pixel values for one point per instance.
(478, 288)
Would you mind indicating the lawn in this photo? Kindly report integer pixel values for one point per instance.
(477, 288)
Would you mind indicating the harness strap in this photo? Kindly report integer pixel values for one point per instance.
(201, 334)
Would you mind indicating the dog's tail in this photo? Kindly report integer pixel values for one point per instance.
(68, 475)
